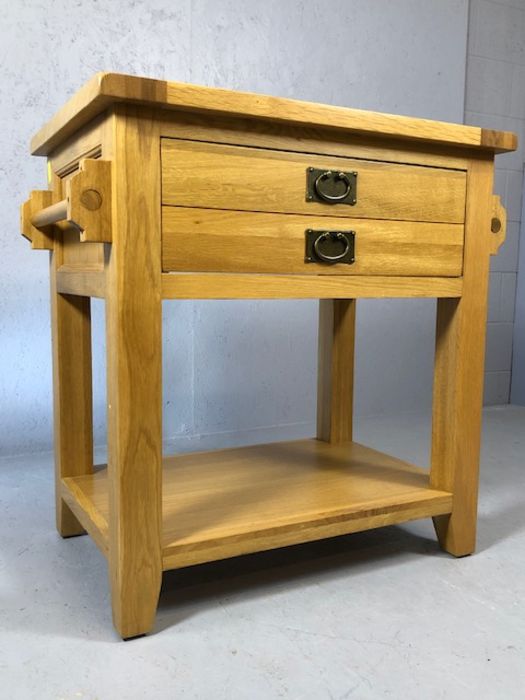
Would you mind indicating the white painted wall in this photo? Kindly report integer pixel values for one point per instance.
(517, 395)
(235, 371)
(496, 99)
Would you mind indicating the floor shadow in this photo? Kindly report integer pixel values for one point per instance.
(499, 525)
(258, 574)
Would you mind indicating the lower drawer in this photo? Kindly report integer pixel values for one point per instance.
(208, 240)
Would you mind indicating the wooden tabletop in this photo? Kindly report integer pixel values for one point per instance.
(105, 89)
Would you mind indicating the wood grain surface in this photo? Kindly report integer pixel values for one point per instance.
(209, 285)
(253, 179)
(105, 89)
(134, 375)
(207, 240)
(229, 502)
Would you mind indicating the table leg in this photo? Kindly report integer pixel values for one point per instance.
(72, 391)
(133, 331)
(458, 377)
(336, 369)
(72, 381)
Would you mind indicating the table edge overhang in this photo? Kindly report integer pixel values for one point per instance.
(106, 89)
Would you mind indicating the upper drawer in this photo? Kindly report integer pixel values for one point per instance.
(200, 174)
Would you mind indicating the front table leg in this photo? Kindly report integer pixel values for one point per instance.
(133, 328)
(458, 377)
(134, 465)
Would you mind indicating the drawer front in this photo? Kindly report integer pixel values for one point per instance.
(198, 174)
(209, 240)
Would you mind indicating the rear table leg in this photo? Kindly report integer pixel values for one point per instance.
(72, 388)
(335, 392)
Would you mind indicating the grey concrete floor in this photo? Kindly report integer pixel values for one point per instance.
(371, 615)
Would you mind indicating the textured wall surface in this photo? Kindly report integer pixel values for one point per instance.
(517, 394)
(495, 98)
(235, 371)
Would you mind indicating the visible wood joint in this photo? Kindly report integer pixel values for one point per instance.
(81, 280)
(498, 225)
(40, 238)
(87, 207)
(88, 195)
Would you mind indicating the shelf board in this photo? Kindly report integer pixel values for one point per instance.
(229, 502)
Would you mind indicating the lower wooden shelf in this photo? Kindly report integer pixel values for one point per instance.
(229, 502)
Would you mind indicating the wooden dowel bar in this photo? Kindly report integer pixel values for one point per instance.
(50, 215)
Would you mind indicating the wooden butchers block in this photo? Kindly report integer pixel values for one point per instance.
(161, 190)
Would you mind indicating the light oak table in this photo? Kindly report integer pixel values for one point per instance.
(163, 190)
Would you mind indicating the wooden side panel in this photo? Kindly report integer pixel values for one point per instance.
(205, 240)
(458, 382)
(232, 177)
(133, 318)
(71, 334)
(86, 143)
(78, 254)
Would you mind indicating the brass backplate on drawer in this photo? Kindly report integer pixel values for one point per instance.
(330, 247)
(331, 186)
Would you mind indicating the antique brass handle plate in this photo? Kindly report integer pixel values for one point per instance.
(330, 247)
(331, 186)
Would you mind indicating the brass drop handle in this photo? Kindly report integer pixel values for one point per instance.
(334, 236)
(323, 177)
